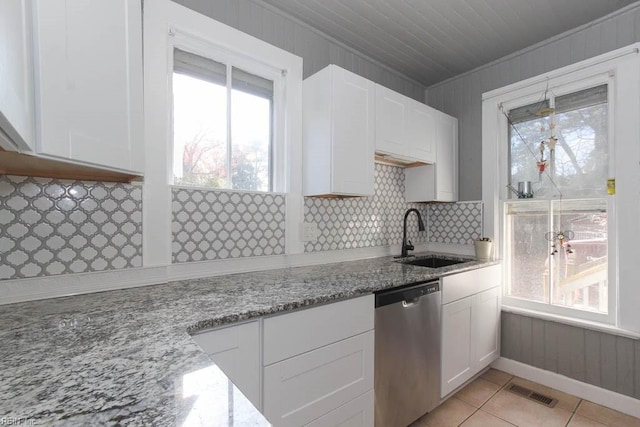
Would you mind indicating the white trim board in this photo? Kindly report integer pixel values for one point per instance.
(610, 399)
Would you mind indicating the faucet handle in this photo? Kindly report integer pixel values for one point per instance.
(409, 246)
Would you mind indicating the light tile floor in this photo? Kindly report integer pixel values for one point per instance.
(486, 403)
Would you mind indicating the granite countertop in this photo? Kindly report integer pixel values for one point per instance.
(125, 357)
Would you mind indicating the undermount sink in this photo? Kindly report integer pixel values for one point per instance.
(434, 262)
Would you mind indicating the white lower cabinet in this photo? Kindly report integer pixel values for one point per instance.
(456, 344)
(303, 388)
(356, 413)
(486, 325)
(470, 325)
(308, 367)
(236, 351)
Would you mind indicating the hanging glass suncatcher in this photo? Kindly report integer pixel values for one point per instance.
(560, 240)
(550, 142)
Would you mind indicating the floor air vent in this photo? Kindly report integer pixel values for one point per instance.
(532, 395)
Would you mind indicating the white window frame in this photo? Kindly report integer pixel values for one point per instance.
(169, 25)
(615, 69)
(192, 44)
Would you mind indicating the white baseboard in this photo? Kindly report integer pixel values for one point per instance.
(610, 399)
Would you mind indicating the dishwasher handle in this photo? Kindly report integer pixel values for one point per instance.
(410, 303)
(407, 295)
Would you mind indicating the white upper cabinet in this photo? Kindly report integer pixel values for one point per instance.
(338, 123)
(88, 75)
(16, 76)
(404, 127)
(447, 157)
(391, 118)
(421, 131)
(438, 181)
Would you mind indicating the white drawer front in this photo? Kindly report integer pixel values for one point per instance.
(290, 334)
(303, 388)
(356, 413)
(461, 285)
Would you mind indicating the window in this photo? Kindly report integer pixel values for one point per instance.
(556, 233)
(223, 125)
(601, 137)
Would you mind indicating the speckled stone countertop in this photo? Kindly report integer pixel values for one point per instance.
(125, 357)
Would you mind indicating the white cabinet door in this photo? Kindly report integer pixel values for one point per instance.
(470, 333)
(338, 126)
(89, 81)
(447, 158)
(305, 387)
(421, 132)
(236, 351)
(486, 327)
(391, 118)
(437, 182)
(457, 351)
(356, 413)
(16, 76)
(353, 134)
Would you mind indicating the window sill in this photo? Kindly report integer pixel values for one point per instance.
(586, 324)
(224, 190)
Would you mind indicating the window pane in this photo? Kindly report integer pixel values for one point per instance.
(578, 166)
(251, 119)
(580, 274)
(527, 250)
(581, 155)
(199, 132)
(525, 138)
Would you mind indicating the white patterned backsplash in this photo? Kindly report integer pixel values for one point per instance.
(220, 224)
(458, 223)
(365, 221)
(50, 227)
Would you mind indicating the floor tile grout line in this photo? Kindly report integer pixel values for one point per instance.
(471, 415)
(592, 418)
(575, 411)
(500, 388)
(498, 391)
(570, 419)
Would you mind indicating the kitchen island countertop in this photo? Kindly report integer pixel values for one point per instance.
(126, 357)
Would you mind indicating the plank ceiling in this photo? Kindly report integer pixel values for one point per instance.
(432, 40)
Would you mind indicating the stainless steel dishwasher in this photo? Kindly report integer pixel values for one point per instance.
(407, 353)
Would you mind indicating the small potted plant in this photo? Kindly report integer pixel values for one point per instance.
(483, 248)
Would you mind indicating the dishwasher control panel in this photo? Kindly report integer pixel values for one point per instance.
(410, 292)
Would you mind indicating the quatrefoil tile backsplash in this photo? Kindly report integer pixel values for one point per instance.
(219, 224)
(377, 220)
(50, 227)
(365, 221)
